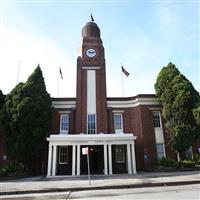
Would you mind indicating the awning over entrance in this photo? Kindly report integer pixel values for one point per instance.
(76, 141)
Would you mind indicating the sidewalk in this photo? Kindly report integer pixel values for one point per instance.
(68, 183)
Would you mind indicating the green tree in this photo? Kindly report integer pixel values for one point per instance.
(2, 99)
(26, 119)
(180, 101)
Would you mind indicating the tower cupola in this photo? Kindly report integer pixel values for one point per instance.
(91, 30)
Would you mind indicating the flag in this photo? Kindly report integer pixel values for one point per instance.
(92, 19)
(124, 71)
(60, 73)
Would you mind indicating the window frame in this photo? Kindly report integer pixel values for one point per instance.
(154, 119)
(61, 122)
(62, 160)
(115, 123)
(91, 131)
(122, 147)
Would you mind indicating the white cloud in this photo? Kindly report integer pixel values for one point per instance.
(32, 50)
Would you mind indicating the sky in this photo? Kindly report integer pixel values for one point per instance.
(143, 36)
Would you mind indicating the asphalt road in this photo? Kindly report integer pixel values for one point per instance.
(189, 192)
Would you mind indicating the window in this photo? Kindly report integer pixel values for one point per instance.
(63, 155)
(91, 124)
(64, 123)
(118, 123)
(156, 119)
(160, 150)
(120, 157)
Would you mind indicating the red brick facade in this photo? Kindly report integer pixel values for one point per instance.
(137, 111)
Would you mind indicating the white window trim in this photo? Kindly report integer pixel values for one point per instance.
(95, 123)
(121, 161)
(159, 119)
(61, 163)
(64, 131)
(118, 130)
(64, 112)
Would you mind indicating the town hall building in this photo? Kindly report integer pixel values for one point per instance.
(123, 134)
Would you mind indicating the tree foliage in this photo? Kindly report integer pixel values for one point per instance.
(26, 119)
(2, 99)
(180, 107)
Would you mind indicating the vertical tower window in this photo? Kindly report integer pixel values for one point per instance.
(156, 119)
(118, 122)
(63, 155)
(64, 123)
(91, 124)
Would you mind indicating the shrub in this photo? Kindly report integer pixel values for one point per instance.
(13, 168)
(196, 159)
(187, 164)
(167, 162)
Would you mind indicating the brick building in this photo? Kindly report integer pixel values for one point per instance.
(123, 134)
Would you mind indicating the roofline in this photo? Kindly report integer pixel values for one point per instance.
(108, 98)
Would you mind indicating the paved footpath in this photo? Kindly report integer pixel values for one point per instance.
(68, 183)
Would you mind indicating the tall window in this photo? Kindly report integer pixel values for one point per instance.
(64, 123)
(156, 119)
(120, 154)
(118, 123)
(160, 150)
(91, 124)
(63, 155)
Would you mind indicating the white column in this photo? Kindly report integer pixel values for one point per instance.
(73, 159)
(110, 158)
(54, 160)
(128, 158)
(78, 160)
(133, 158)
(49, 160)
(105, 160)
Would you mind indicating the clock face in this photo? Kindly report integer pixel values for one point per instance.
(91, 53)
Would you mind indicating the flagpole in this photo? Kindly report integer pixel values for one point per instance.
(122, 83)
(58, 83)
(18, 69)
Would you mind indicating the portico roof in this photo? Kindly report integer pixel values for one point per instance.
(92, 139)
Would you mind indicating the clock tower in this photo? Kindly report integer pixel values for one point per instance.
(91, 103)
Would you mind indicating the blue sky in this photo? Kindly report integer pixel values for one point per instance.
(143, 36)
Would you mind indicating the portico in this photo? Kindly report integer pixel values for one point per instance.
(76, 142)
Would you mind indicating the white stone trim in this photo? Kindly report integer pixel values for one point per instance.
(113, 104)
(132, 103)
(118, 111)
(91, 92)
(91, 68)
(64, 112)
(96, 139)
(64, 104)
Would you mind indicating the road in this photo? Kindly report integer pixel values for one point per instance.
(189, 192)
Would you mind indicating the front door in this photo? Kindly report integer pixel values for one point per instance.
(96, 160)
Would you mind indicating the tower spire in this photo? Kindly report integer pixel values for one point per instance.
(92, 19)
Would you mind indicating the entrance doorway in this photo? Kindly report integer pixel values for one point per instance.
(96, 160)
